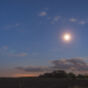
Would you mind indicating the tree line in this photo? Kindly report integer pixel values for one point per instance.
(63, 74)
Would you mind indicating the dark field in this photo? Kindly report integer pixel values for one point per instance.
(42, 83)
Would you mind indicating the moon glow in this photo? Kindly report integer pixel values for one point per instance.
(67, 37)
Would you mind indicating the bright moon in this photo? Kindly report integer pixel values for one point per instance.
(67, 37)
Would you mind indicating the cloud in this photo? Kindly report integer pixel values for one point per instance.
(17, 54)
(82, 22)
(61, 19)
(5, 51)
(73, 20)
(43, 13)
(76, 65)
(78, 21)
(34, 68)
(5, 47)
(55, 19)
(11, 26)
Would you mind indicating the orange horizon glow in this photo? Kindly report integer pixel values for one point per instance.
(25, 75)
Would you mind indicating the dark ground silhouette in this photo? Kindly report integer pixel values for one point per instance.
(41, 83)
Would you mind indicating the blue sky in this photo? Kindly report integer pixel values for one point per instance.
(31, 30)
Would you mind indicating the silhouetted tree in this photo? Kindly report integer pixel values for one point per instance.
(81, 76)
(46, 75)
(86, 76)
(55, 74)
(59, 74)
(71, 75)
(62, 74)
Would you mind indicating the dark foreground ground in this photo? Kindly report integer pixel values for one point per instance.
(42, 83)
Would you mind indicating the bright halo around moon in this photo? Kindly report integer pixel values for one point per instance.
(67, 37)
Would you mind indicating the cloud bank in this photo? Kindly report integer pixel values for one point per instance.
(76, 65)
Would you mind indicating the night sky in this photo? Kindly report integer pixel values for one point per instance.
(31, 36)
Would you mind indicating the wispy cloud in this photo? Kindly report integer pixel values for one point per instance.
(73, 20)
(82, 22)
(34, 68)
(43, 13)
(5, 50)
(17, 54)
(5, 47)
(55, 19)
(11, 26)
